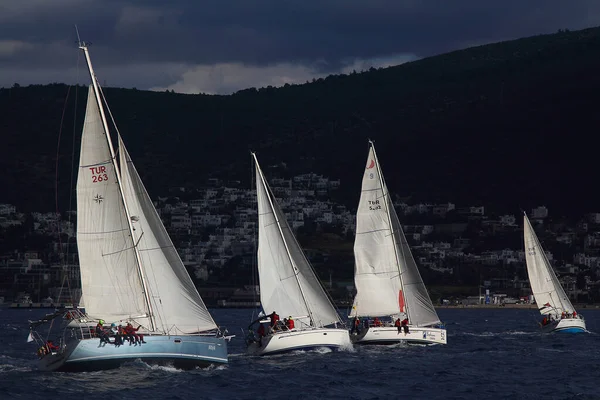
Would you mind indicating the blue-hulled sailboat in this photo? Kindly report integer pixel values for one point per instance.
(130, 270)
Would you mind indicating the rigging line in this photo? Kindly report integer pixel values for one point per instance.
(73, 169)
(56, 165)
(58, 221)
(253, 184)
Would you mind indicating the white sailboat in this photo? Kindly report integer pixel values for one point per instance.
(289, 286)
(551, 299)
(388, 282)
(130, 270)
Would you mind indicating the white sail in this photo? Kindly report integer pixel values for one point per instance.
(110, 282)
(418, 303)
(176, 305)
(288, 284)
(376, 273)
(547, 290)
(386, 276)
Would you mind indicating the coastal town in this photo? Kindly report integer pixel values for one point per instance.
(467, 254)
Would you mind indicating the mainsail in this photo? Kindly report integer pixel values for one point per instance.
(549, 295)
(136, 277)
(110, 283)
(288, 284)
(177, 306)
(386, 276)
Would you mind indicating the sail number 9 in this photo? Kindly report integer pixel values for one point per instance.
(98, 174)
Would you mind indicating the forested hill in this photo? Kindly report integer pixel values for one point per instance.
(509, 124)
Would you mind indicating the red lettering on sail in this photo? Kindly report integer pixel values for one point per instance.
(401, 300)
(99, 174)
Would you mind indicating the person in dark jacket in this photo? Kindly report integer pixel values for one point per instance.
(405, 325)
(355, 326)
(101, 333)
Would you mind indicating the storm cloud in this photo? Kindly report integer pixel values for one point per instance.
(220, 46)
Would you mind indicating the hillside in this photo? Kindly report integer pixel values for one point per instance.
(508, 124)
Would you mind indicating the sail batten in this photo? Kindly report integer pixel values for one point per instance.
(288, 285)
(387, 279)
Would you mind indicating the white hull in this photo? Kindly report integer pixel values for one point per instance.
(301, 340)
(567, 325)
(390, 335)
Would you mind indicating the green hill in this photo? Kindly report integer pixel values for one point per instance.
(508, 124)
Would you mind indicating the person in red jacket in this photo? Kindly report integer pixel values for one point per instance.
(274, 320)
(290, 323)
(51, 346)
(132, 332)
(398, 325)
(261, 330)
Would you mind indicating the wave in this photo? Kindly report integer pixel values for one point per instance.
(5, 368)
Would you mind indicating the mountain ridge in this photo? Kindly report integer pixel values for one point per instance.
(505, 125)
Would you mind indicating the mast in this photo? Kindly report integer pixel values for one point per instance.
(387, 209)
(83, 47)
(287, 250)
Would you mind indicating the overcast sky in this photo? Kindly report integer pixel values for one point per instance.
(220, 46)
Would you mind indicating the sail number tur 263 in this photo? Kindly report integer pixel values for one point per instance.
(99, 174)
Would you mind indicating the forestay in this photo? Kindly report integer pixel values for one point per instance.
(547, 290)
(176, 305)
(110, 282)
(288, 284)
(386, 275)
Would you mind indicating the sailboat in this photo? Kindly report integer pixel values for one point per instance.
(288, 287)
(388, 282)
(551, 299)
(130, 270)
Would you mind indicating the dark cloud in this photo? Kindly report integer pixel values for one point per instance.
(154, 42)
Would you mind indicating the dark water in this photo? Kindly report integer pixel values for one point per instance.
(491, 354)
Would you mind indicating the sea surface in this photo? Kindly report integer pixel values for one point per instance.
(491, 354)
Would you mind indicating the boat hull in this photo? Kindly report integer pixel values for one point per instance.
(390, 335)
(567, 325)
(306, 339)
(185, 352)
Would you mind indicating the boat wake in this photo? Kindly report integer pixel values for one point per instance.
(318, 350)
(165, 368)
(482, 334)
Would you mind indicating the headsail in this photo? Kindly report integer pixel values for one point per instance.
(549, 295)
(111, 286)
(387, 278)
(418, 303)
(177, 306)
(288, 284)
